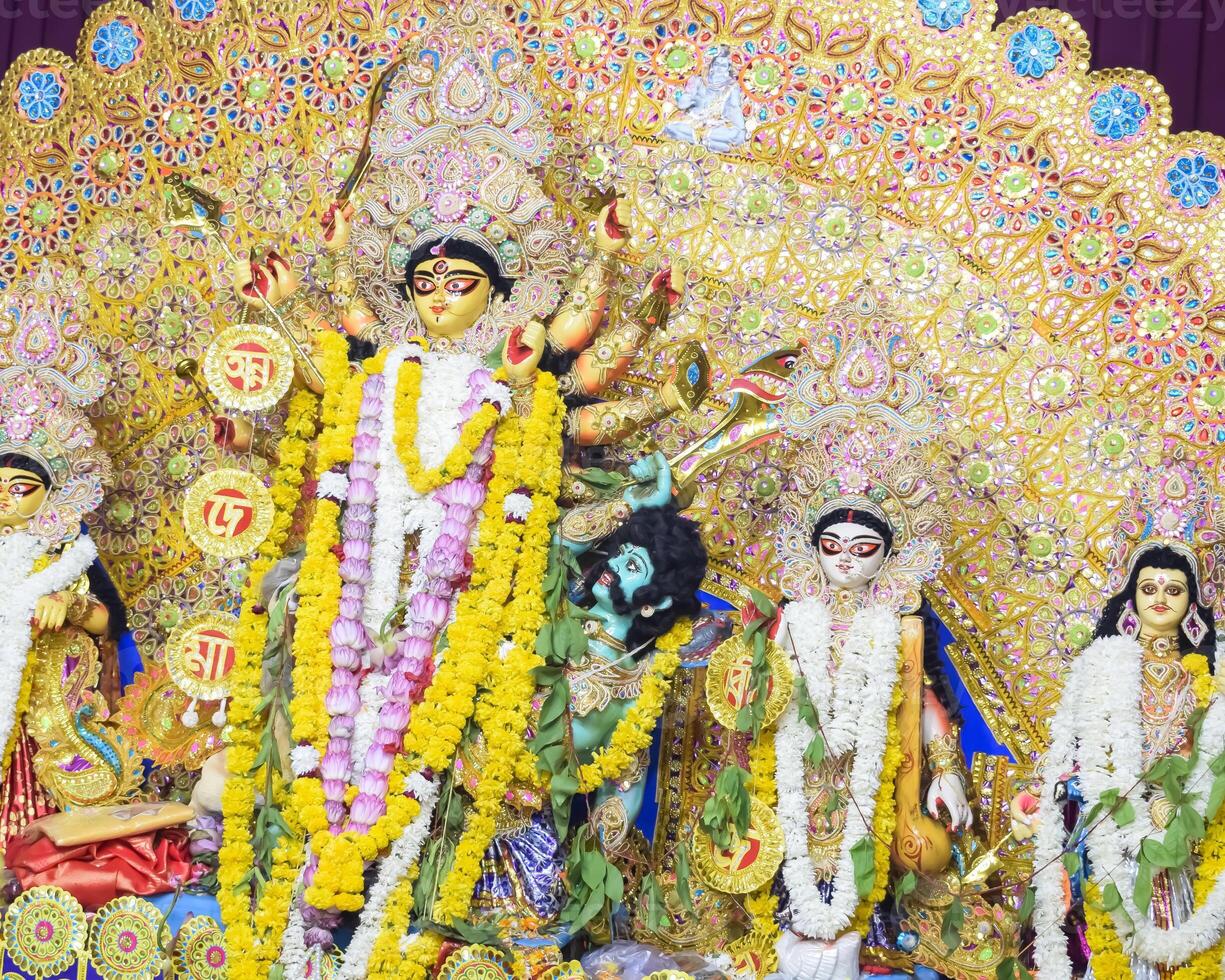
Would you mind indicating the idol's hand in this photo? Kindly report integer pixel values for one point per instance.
(672, 280)
(524, 348)
(50, 612)
(285, 279)
(336, 225)
(272, 280)
(610, 234)
(1024, 812)
(654, 478)
(231, 433)
(948, 791)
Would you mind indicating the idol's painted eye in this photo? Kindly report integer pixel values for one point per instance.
(462, 285)
(865, 549)
(831, 546)
(423, 285)
(1148, 588)
(1174, 590)
(632, 566)
(22, 488)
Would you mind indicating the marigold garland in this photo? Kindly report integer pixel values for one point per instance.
(253, 939)
(762, 905)
(503, 710)
(884, 820)
(386, 960)
(420, 956)
(319, 577)
(408, 394)
(633, 732)
(1109, 960)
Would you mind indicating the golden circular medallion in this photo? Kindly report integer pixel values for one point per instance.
(749, 862)
(200, 655)
(248, 367)
(228, 513)
(476, 963)
(729, 681)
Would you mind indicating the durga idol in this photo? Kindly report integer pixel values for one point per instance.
(1126, 817)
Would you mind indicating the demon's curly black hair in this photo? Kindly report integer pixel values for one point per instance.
(1162, 557)
(679, 560)
(849, 515)
(456, 248)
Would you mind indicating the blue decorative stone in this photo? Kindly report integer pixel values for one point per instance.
(943, 15)
(1194, 180)
(692, 374)
(1033, 51)
(115, 45)
(40, 95)
(1117, 113)
(195, 10)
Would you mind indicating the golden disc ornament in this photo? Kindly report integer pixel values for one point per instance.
(749, 862)
(200, 655)
(729, 681)
(248, 367)
(476, 963)
(199, 950)
(228, 513)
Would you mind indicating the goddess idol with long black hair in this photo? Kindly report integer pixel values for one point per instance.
(1127, 785)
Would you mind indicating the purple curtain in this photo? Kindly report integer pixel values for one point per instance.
(1181, 42)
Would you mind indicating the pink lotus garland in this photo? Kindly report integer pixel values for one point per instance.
(445, 572)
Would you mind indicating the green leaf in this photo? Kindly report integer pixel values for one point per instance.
(1215, 798)
(950, 926)
(1172, 787)
(1012, 969)
(1027, 905)
(726, 812)
(1142, 893)
(683, 892)
(905, 885)
(863, 856)
(1111, 899)
(814, 752)
(651, 893)
(614, 884)
(1071, 863)
(1124, 813)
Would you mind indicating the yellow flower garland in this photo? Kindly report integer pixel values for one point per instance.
(1109, 960)
(319, 578)
(408, 394)
(884, 820)
(762, 905)
(502, 712)
(418, 961)
(633, 732)
(386, 960)
(253, 940)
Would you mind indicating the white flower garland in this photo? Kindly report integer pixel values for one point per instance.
(1096, 732)
(22, 588)
(853, 702)
(392, 869)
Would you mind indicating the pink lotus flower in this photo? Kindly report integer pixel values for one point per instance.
(365, 447)
(335, 765)
(424, 608)
(362, 492)
(357, 550)
(355, 570)
(342, 726)
(343, 701)
(462, 493)
(347, 632)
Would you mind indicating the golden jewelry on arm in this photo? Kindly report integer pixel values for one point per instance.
(522, 394)
(579, 316)
(613, 421)
(589, 523)
(943, 753)
(80, 605)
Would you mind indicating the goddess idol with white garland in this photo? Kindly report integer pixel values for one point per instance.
(859, 534)
(1130, 785)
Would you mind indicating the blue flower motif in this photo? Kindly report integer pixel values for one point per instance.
(40, 95)
(943, 15)
(1033, 51)
(115, 45)
(195, 10)
(1117, 112)
(1194, 180)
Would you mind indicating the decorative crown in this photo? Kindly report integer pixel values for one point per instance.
(453, 148)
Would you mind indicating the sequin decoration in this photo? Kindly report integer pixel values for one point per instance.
(200, 950)
(123, 940)
(44, 931)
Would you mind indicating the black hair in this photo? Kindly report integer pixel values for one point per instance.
(1162, 557)
(457, 248)
(19, 461)
(849, 515)
(679, 559)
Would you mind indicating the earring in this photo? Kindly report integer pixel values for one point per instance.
(1193, 626)
(647, 612)
(1129, 622)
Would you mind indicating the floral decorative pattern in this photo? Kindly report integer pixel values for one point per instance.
(1197, 392)
(120, 257)
(1194, 181)
(938, 142)
(193, 14)
(273, 191)
(337, 72)
(1033, 51)
(853, 105)
(1156, 323)
(587, 51)
(41, 94)
(943, 15)
(670, 55)
(1117, 113)
(171, 324)
(117, 45)
(181, 124)
(1014, 187)
(41, 214)
(258, 92)
(772, 76)
(109, 165)
(1089, 250)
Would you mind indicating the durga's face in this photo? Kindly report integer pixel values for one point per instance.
(22, 495)
(1162, 600)
(851, 555)
(450, 295)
